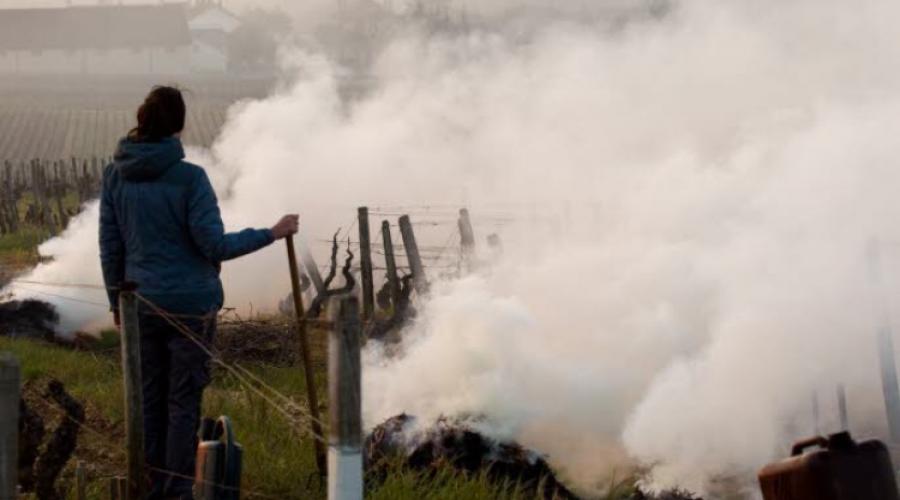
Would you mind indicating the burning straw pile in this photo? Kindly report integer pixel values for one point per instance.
(458, 445)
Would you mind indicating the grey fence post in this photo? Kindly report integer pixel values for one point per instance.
(412, 255)
(365, 264)
(131, 371)
(391, 265)
(345, 470)
(10, 379)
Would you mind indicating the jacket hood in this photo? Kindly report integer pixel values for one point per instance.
(146, 161)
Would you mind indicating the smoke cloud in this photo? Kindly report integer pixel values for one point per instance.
(690, 203)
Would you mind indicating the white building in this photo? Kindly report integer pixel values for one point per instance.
(96, 40)
(210, 24)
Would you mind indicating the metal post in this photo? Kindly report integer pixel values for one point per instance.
(412, 255)
(365, 264)
(842, 407)
(311, 396)
(345, 477)
(391, 265)
(9, 425)
(889, 385)
(131, 370)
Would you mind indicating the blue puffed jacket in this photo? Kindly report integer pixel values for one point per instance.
(160, 227)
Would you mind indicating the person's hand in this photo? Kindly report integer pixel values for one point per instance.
(288, 225)
(116, 319)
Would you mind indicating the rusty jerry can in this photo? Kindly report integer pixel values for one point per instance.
(841, 469)
(218, 462)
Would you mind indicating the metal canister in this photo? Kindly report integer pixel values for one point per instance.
(219, 459)
(840, 469)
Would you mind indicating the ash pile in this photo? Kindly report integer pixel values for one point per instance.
(463, 448)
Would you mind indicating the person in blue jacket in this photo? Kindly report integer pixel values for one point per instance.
(160, 228)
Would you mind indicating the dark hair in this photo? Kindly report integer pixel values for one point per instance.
(160, 116)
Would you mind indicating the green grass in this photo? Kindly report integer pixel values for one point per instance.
(21, 246)
(278, 456)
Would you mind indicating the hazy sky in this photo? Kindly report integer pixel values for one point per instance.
(236, 4)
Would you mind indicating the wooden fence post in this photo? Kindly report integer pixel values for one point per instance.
(311, 396)
(842, 407)
(466, 234)
(80, 482)
(412, 255)
(9, 425)
(466, 238)
(131, 370)
(391, 264)
(889, 386)
(365, 265)
(345, 471)
(312, 270)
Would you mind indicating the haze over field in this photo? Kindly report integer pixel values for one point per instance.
(693, 195)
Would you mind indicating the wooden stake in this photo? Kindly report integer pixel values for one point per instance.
(391, 265)
(311, 396)
(365, 265)
(9, 425)
(466, 238)
(889, 386)
(312, 270)
(412, 255)
(114, 488)
(842, 407)
(123, 490)
(134, 411)
(345, 479)
(466, 234)
(80, 482)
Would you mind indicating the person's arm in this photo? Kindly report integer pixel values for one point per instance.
(112, 247)
(208, 231)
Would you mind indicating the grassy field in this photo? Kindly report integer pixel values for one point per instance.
(277, 455)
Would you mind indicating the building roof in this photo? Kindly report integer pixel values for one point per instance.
(213, 17)
(94, 27)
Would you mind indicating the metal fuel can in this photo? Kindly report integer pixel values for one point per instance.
(838, 469)
(219, 457)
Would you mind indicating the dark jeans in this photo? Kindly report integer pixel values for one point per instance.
(175, 371)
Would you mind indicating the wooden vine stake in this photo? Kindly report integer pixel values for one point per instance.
(391, 265)
(365, 264)
(311, 396)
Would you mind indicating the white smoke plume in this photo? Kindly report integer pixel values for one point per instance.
(692, 199)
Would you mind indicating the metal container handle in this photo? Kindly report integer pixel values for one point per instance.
(799, 446)
(225, 434)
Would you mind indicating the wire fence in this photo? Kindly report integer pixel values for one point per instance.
(296, 415)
